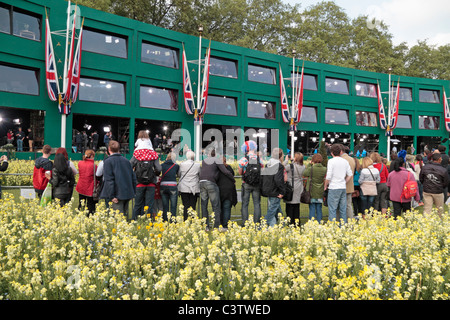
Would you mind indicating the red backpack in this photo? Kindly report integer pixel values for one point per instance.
(409, 189)
(39, 179)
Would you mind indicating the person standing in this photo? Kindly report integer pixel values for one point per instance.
(62, 180)
(42, 170)
(228, 195)
(119, 179)
(79, 141)
(380, 202)
(356, 196)
(85, 184)
(169, 189)
(146, 166)
(94, 140)
(106, 139)
(209, 190)
(250, 170)
(20, 137)
(10, 137)
(273, 185)
(368, 180)
(294, 173)
(316, 173)
(3, 167)
(30, 138)
(188, 183)
(338, 173)
(396, 181)
(434, 178)
(350, 186)
(419, 165)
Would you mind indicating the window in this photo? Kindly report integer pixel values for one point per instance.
(366, 89)
(366, 119)
(261, 74)
(221, 105)
(159, 55)
(405, 94)
(104, 43)
(223, 67)
(159, 98)
(24, 24)
(309, 81)
(429, 96)
(404, 122)
(309, 114)
(336, 86)
(429, 122)
(260, 109)
(336, 116)
(103, 91)
(19, 80)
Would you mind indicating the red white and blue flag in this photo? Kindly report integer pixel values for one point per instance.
(68, 83)
(284, 100)
(187, 87)
(75, 75)
(205, 84)
(299, 100)
(51, 73)
(446, 112)
(394, 111)
(381, 113)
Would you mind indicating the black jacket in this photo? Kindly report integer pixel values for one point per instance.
(227, 187)
(434, 178)
(119, 179)
(211, 167)
(62, 183)
(272, 180)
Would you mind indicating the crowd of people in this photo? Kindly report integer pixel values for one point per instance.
(18, 138)
(348, 185)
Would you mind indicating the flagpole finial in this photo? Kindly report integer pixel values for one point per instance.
(294, 51)
(200, 29)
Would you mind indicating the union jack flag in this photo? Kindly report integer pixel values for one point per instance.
(51, 73)
(299, 102)
(284, 100)
(75, 76)
(394, 111)
(187, 87)
(446, 112)
(381, 112)
(205, 84)
(68, 84)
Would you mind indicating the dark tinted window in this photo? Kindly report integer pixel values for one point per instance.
(309, 81)
(221, 105)
(159, 55)
(261, 74)
(366, 89)
(223, 67)
(429, 122)
(429, 96)
(104, 43)
(334, 85)
(261, 109)
(309, 114)
(158, 98)
(404, 122)
(103, 91)
(26, 25)
(336, 116)
(366, 119)
(19, 80)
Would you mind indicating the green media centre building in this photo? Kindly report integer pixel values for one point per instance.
(132, 80)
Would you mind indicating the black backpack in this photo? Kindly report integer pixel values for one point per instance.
(252, 174)
(144, 172)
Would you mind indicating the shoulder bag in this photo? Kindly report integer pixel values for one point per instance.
(369, 188)
(306, 194)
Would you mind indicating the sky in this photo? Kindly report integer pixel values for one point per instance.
(408, 20)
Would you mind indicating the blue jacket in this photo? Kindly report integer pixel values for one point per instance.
(119, 179)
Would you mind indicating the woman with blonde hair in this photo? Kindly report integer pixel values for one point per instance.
(368, 180)
(294, 172)
(85, 185)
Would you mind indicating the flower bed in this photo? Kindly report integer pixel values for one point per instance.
(60, 253)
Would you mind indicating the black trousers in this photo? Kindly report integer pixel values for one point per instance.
(293, 212)
(189, 200)
(88, 201)
(400, 207)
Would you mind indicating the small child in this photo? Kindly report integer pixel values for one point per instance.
(143, 141)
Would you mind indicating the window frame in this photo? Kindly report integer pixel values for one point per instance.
(143, 86)
(272, 104)
(162, 46)
(106, 33)
(274, 75)
(346, 81)
(106, 80)
(27, 68)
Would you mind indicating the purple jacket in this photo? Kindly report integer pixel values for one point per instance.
(395, 182)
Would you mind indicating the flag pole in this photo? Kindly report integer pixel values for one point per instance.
(197, 120)
(294, 81)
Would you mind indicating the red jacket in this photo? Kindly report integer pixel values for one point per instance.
(85, 185)
(383, 173)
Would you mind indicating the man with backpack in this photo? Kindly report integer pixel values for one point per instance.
(42, 170)
(250, 170)
(434, 179)
(146, 166)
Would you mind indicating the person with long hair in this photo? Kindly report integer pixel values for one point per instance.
(62, 180)
(85, 185)
(368, 179)
(294, 173)
(380, 202)
(396, 181)
(316, 173)
(419, 165)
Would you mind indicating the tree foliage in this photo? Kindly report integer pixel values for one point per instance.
(321, 33)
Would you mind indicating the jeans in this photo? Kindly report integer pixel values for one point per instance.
(19, 145)
(210, 191)
(226, 213)
(145, 196)
(337, 198)
(315, 211)
(366, 202)
(255, 192)
(169, 194)
(273, 208)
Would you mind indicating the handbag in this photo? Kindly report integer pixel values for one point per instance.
(369, 188)
(46, 197)
(289, 193)
(158, 184)
(305, 197)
